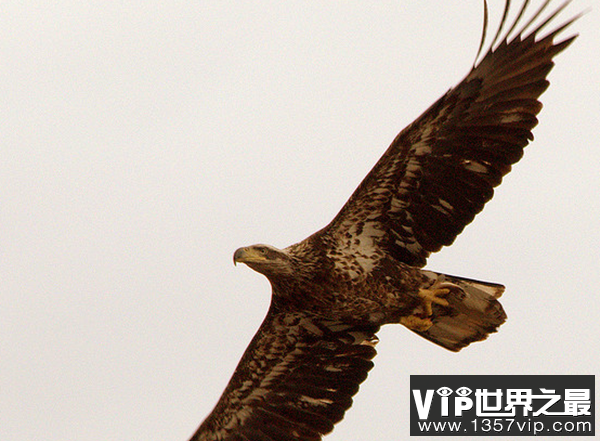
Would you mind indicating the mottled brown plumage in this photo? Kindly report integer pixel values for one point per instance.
(332, 291)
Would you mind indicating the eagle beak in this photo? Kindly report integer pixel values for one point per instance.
(238, 256)
(246, 255)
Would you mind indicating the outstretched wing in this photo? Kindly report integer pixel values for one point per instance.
(440, 171)
(294, 382)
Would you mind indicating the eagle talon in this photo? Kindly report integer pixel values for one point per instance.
(431, 296)
(422, 321)
(416, 323)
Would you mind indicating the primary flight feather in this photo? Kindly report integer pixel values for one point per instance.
(332, 291)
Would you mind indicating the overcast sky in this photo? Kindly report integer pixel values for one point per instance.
(143, 142)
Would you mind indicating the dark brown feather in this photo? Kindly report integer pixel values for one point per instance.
(441, 170)
(295, 380)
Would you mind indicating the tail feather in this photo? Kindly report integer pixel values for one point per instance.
(472, 314)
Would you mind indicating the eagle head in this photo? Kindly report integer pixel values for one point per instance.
(264, 259)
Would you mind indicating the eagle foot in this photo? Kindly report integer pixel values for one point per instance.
(433, 295)
(422, 321)
(416, 323)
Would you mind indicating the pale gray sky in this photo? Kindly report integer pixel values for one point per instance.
(143, 142)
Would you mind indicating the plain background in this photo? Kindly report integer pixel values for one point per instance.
(143, 142)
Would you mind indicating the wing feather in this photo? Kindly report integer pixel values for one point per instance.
(441, 170)
(294, 382)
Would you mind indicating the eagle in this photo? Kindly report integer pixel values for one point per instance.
(333, 291)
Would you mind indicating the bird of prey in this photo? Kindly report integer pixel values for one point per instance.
(333, 291)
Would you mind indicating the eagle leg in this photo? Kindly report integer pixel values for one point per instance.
(428, 298)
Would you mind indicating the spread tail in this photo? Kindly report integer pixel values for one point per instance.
(473, 312)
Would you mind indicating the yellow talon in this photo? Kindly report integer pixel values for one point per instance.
(416, 323)
(430, 296)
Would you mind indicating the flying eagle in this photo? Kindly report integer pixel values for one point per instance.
(333, 291)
